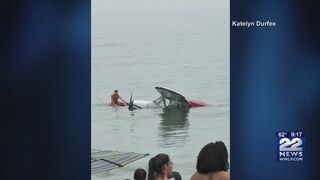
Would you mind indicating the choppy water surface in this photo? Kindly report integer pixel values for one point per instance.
(187, 51)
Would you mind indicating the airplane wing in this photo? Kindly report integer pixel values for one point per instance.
(107, 160)
(174, 99)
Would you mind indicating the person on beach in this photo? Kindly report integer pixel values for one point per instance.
(160, 167)
(140, 174)
(175, 176)
(212, 162)
(115, 99)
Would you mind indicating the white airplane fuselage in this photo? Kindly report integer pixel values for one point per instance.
(146, 104)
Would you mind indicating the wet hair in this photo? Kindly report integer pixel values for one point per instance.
(116, 90)
(213, 157)
(156, 165)
(176, 175)
(140, 174)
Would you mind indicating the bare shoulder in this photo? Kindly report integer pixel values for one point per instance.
(221, 175)
(193, 177)
(199, 176)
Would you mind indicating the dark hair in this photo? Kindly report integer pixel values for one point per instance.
(156, 165)
(213, 157)
(115, 90)
(140, 174)
(176, 175)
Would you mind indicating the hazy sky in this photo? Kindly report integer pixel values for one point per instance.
(138, 6)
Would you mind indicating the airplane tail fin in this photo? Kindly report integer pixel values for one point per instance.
(131, 103)
(132, 106)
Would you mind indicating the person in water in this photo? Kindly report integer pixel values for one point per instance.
(160, 167)
(115, 99)
(212, 163)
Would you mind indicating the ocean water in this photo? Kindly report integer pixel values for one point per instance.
(185, 50)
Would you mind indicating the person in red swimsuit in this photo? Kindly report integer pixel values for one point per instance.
(114, 99)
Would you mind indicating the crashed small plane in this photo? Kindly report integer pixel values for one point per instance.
(169, 100)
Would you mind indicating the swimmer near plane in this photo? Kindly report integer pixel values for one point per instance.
(168, 99)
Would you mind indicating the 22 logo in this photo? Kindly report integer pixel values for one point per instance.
(290, 145)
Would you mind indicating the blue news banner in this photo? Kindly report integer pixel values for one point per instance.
(290, 146)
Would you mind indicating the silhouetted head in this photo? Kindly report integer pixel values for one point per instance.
(175, 175)
(159, 166)
(140, 174)
(213, 157)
